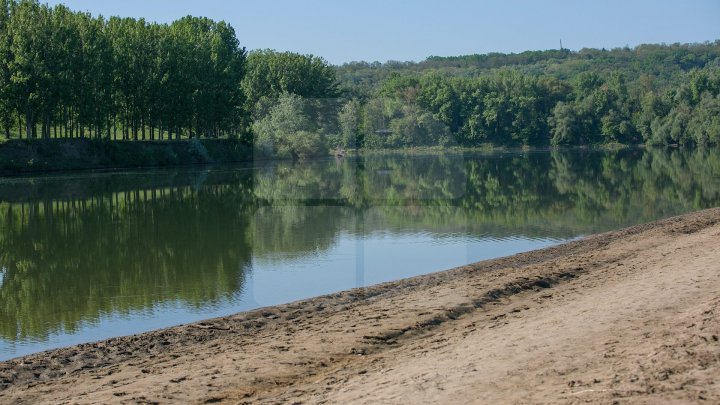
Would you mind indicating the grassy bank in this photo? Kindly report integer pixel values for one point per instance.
(18, 156)
(489, 148)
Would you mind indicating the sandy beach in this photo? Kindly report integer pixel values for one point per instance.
(631, 316)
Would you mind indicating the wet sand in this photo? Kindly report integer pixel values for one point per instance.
(631, 316)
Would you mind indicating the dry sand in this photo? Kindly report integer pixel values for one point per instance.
(631, 316)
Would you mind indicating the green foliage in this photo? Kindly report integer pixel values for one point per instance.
(349, 120)
(663, 63)
(687, 114)
(293, 100)
(567, 126)
(647, 94)
(68, 74)
(704, 124)
(289, 130)
(508, 108)
(598, 110)
(271, 74)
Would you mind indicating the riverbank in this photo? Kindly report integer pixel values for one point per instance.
(628, 316)
(20, 156)
(52, 155)
(492, 149)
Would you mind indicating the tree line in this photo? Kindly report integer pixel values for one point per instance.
(512, 108)
(69, 74)
(652, 94)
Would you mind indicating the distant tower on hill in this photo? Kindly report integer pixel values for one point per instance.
(561, 48)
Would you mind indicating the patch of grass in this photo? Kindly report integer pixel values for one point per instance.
(75, 154)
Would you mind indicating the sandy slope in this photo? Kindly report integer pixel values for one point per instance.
(630, 317)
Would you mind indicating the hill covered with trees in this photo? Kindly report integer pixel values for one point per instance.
(660, 94)
(65, 74)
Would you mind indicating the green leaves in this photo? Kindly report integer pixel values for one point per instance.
(592, 96)
(68, 69)
(289, 130)
(271, 74)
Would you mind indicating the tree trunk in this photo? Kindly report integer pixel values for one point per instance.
(64, 128)
(28, 123)
(134, 129)
(46, 126)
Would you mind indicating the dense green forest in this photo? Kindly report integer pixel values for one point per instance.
(657, 94)
(66, 74)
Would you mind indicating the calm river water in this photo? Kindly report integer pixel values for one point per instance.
(95, 255)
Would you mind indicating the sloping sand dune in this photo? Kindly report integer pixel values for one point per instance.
(631, 316)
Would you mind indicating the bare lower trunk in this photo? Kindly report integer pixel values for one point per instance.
(28, 123)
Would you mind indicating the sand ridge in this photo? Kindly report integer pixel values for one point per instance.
(630, 316)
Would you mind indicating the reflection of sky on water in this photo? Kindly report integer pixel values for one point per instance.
(274, 279)
(377, 258)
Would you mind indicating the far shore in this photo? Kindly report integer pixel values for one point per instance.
(38, 156)
(630, 316)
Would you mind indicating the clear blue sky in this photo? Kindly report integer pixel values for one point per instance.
(370, 30)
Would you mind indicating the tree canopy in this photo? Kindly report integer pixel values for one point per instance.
(656, 94)
(70, 74)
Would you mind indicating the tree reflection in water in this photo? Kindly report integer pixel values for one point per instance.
(75, 248)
